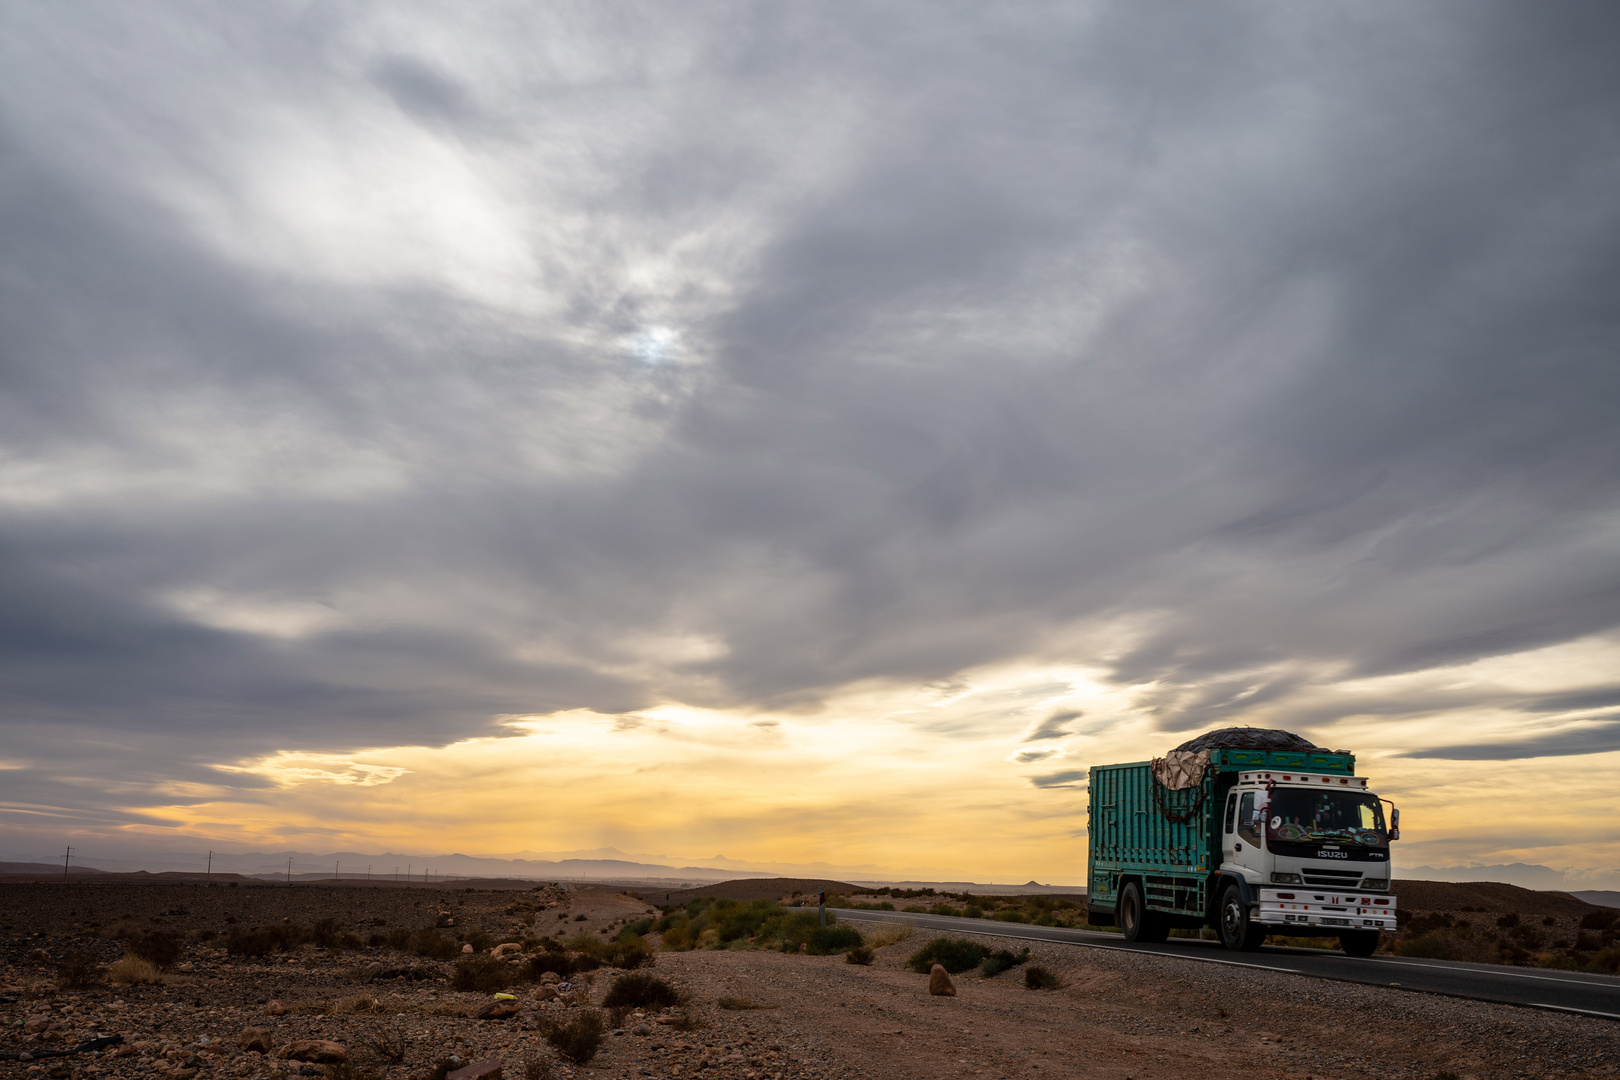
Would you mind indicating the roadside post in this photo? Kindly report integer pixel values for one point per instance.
(821, 902)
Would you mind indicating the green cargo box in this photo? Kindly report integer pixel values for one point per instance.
(1169, 840)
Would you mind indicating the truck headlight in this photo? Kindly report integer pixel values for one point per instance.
(1374, 883)
(1286, 879)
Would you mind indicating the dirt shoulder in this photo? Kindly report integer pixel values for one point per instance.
(1116, 1015)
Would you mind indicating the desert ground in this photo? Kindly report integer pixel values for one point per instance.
(746, 1013)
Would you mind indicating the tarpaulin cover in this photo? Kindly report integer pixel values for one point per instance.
(1248, 738)
(1181, 769)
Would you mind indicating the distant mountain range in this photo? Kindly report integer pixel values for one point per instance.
(602, 864)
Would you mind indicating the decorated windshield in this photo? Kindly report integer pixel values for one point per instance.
(1300, 816)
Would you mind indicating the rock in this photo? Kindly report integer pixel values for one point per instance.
(187, 966)
(317, 1051)
(255, 1039)
(939, 982)
(488, 1069)
(497, 1010)
(551, 977)
(642, 1029)
(276, 1008)
(39, 956)
(507, 949)
(545, 993)
(35, 1024)
(467, 949)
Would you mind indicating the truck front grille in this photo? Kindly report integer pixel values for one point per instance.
(1336, 879)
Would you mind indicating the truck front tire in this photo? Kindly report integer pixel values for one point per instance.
(1238, 932)
(1135, 920)
(1359, 942)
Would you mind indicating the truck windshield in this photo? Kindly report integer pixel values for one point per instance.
(1300, 815)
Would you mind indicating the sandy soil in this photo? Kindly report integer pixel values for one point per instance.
(1116, 1016)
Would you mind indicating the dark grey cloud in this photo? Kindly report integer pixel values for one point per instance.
(1282, 336)
(1053, 727)
(1600, 738)
(1066, 778)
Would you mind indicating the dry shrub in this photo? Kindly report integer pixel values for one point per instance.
(78, 971)
(576, 1039)
(483, 974)
(740, 1004)
(537, 1068)
(1038, 978)
(133, 971)
(860, 954)
(360, 1004)
(686, 1020)
(888, 933)
(642, 991)
(158, 947)
(386, 1044)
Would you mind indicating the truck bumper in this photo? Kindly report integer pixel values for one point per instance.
(1325, 910)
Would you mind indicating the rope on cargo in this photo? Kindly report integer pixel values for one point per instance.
(1173, 816)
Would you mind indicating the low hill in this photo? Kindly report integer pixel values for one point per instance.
(1485, 896)
(751, 889)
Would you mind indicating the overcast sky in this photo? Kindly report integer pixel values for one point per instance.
(879, 412)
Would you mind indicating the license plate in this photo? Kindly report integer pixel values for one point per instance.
(1335, 922)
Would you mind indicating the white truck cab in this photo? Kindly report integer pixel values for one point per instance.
(1314, 851)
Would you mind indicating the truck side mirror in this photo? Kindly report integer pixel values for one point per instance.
(1394, 823)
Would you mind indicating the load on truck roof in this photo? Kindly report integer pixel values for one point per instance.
(1251, 831)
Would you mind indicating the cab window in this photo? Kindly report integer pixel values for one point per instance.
(1231, 811)
(1249, 824)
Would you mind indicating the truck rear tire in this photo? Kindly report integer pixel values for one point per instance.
(1238, 932)
(1359, 942)
(1135, 920)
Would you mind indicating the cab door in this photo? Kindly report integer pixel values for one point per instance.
(1243, 844)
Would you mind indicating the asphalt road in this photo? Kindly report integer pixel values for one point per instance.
(1562, 991)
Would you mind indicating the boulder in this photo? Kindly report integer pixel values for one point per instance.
(35, 1024)
(488, 1069)
(497, 1010)
(276, 1008)
(546, 993)
(254, 1038)
(317, 1051)
(507, 949)
(939, 982)
(468, 949)
(39, 956)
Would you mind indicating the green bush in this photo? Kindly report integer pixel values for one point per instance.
(826, 940)
(1002, 960)
(861, 955)
(484, 974)
(640, 990)
(1599, 918)
(1424, 946)
(955, 955)
(638, 928)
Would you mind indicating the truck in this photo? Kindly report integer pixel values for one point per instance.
(1247, 831)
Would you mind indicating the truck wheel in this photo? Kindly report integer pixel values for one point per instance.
(1238, 932)
(1359, 942)
(1137, 922)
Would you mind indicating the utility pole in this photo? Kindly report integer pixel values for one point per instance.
(335, 874)
(289, 871)
(209, 877)
(65, 859)
(368, 873)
